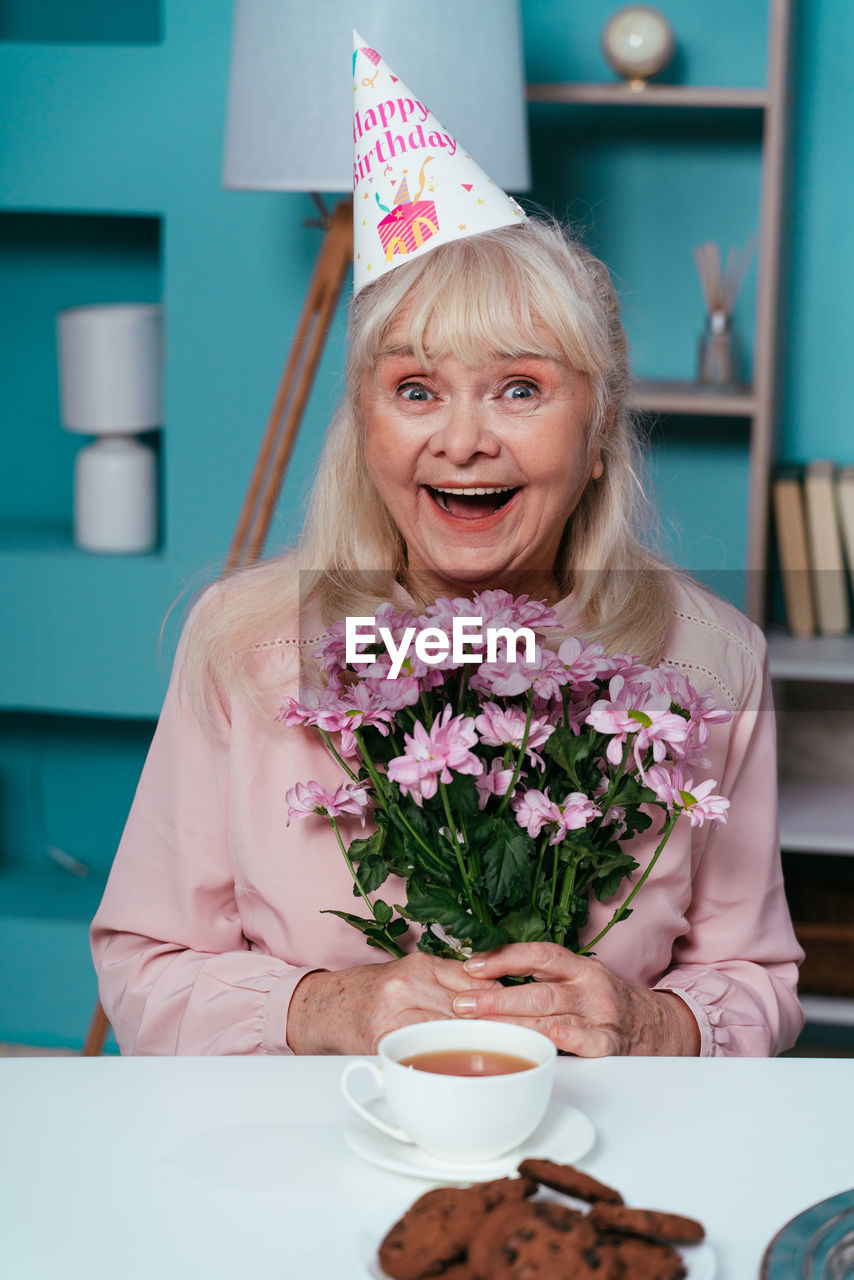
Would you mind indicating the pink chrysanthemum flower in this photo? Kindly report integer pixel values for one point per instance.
(679, 791)
(431, 755)
(495, 782)
(630, 710)
(395, 694)
(359, 706)
(500, 726)
(499, 609)
(503, 679)
(535, 810)
(701, 707)
(586, 663)
(310, 797)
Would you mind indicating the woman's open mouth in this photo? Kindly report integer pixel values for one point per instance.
(474, 503)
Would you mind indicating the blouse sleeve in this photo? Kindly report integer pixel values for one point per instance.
(737, 965)
(176, 974)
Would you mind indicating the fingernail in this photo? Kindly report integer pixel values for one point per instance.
(474, 964)
(465, 1004)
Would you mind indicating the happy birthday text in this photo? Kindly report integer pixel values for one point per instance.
(392, 117)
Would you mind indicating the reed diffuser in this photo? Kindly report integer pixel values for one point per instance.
(717, 357)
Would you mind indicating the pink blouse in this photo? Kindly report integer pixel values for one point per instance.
(212, 912)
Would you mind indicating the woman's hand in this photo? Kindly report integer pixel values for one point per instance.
(349, 1010)
(578, 1003)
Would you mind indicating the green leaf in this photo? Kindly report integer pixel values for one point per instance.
(610, 874)
(429, 943)
(382, 911)
(366, 846)
(372, 873)
(525, 926)
(367, 852)
(439, 906)
(462, 795)
(375, 934)
(631, 791)
(506, 862)
(571, 751)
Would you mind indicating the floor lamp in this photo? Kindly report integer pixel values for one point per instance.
(289, 128)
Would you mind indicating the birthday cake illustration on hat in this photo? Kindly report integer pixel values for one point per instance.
(399, 147)
(411, 222)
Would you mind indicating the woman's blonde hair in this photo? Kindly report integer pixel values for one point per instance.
(523, 288)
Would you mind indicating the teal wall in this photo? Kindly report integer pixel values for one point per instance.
(111, 132)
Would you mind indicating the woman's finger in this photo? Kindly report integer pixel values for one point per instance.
(570, 1036)
(541, 960)
(531, 1000)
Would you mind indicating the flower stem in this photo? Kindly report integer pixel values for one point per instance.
(382, 798)
(540, 857)
(327, 741)
(566, 892)
(357, 882)
(605, 801)
(521, 758)
(464, 684)
(552, 898)
(473, 900)
(618, 914)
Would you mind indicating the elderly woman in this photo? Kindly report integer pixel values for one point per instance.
(483, 442)
(494, 363)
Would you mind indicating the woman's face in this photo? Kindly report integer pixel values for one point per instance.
(480, 467)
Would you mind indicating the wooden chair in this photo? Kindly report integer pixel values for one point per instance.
(253, 524)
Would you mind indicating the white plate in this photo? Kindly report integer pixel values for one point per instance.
(564, 1134)
(699, 1259)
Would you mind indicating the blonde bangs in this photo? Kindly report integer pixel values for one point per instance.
(497, 292)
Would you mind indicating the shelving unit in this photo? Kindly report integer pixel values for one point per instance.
(816, 806)
(756, 404)
(690, 400)
(814, 694)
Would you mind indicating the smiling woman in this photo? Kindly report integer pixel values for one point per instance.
(483, 445)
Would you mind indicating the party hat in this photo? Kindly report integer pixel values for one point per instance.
(414, 186)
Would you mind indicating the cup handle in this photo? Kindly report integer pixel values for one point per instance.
(391, 1130)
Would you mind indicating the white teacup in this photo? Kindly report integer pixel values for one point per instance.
(463, 1119)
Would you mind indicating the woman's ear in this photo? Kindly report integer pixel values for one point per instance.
(597, 466)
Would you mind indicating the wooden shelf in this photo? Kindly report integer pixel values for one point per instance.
(817, 817)
(825, 658)
(834, 1011)
(651, 95)
(691, 399)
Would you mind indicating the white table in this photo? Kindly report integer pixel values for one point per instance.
(236, 1167)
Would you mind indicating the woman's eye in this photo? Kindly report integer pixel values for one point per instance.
(520, 391)
(414, 392)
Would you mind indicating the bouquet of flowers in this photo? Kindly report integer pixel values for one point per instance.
(506, 787)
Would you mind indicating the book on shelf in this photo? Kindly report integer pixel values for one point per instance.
(824, 541)
(790, 524)
(845, 506)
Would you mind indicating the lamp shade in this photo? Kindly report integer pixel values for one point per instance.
(111, 368)
(290, 104)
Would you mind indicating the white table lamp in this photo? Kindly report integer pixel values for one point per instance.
(110, 378)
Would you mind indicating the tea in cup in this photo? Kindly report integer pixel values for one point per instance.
(465, 1091)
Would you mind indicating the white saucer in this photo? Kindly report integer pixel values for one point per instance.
(564, 1134)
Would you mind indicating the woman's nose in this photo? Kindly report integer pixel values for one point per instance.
(465, 433)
